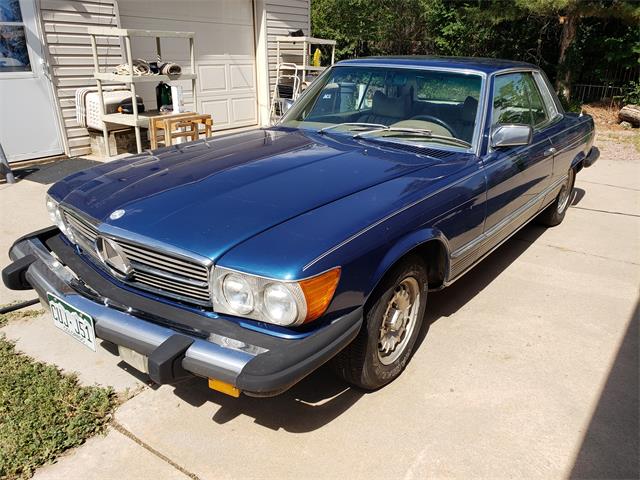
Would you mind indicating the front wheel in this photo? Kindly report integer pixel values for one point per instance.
(554, 213)
(392, 324)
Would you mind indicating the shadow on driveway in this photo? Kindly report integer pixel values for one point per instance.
(610, 448)
(322, 396)
(48, 173)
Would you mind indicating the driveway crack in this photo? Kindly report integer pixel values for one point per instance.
(606, 211)
(564, 249)
(118, 427)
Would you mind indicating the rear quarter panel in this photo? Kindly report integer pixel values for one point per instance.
(572, 138)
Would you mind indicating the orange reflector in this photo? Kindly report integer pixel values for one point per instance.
(223, 387)
(318, 292)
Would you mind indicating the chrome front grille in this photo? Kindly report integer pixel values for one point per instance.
(159, 272)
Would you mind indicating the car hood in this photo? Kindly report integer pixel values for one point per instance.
(206, 197)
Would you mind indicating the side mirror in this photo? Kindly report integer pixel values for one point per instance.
(511, 135)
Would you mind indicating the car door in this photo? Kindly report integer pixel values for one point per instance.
(517, 176)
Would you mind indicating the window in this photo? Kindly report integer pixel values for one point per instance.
(547, 95)
(516, 99)
(14, 56)
(448, 87)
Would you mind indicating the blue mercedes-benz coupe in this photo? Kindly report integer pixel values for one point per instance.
(252, 259)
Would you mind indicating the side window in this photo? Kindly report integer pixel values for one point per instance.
(516, 99)
(538, 110)
(547, 95)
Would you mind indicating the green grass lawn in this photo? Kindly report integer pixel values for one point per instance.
(43, 412)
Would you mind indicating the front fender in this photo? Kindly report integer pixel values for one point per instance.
(402, 247)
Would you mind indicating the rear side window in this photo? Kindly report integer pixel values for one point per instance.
(516, 99)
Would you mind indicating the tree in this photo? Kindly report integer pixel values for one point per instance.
(569, 14)
(555, 34)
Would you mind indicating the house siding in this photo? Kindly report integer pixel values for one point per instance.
(68, 50)
(283, 17)
(64, 24)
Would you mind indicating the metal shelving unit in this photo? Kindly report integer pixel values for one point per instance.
(293, 69)
(135, 119)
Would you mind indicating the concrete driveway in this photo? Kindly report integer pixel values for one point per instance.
(528, 369)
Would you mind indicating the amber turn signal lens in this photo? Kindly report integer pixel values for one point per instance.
(318, 292)
(223, 387)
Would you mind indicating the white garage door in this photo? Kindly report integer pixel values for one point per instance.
(225, 53)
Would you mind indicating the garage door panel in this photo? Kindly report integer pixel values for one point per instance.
(242, 77)
(219, 111)
(213, 78)
(224, 48)
(243, 110)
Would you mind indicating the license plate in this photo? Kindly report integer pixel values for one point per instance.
(72, 321)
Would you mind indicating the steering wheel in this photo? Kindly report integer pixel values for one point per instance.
(437, 121)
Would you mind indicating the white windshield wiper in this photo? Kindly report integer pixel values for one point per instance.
(367, 126)
(416, 132)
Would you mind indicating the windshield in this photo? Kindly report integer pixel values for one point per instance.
(368, 99)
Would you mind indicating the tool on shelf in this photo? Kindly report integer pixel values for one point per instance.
(166, 72)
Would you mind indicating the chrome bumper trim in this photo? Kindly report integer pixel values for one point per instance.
(202, 358)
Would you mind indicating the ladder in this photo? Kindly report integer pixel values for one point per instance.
(294, 72)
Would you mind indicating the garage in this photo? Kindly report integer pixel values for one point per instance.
(234, 57)
(224, 47)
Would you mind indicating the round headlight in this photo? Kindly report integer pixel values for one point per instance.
(52, 209)
(237, 293)
(279, 304)
(56, 217)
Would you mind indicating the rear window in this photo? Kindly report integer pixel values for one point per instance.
(449, 87)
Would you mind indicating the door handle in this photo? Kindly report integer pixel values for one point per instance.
(550, 151)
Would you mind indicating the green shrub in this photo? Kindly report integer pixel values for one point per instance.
(43, 412)
(632, 94)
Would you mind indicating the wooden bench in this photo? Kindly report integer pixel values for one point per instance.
(179, 125)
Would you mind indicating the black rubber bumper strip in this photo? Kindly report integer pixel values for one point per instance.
(279, 369)
(14, 274)
(165, 362)
(592, 157)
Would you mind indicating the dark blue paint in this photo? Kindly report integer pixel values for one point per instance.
(289, 204)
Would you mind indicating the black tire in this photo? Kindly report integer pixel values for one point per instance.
(360, 363)
(554, 213)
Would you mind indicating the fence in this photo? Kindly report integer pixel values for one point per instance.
(585, 93)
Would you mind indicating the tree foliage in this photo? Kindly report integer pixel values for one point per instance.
(570, 39)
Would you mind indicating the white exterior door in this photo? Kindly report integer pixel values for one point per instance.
(29, 125)
(224, 49)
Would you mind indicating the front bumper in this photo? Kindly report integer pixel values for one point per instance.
(176, 341)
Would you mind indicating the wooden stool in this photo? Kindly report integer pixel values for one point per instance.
(170, 124)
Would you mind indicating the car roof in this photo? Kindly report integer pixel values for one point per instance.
(486, 65)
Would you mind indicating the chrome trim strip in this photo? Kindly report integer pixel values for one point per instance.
(446, 283)
(573, 144)
(146, 269)
(506, 220)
